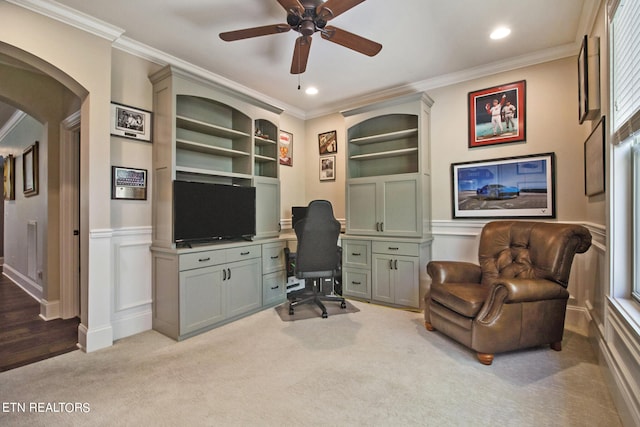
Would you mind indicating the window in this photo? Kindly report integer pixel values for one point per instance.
(625, 92)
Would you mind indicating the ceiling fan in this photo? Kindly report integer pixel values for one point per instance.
(308, 17)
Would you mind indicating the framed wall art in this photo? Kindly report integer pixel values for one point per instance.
(594, 165)
(513, 187)
(30, 170)
(130, 122)
(328, 142)
(589, 79)
(497, 114)
(128, 183)
(328, 168)
(9, 177)
(285, 148)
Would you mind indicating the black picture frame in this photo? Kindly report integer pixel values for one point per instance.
(583, 81)
(30, 172)
(328, 142)
(128, 183)
(594, 164)
(510, 187)
(589, 79)
(130, 122)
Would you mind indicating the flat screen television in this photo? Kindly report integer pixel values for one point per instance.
(206, 212)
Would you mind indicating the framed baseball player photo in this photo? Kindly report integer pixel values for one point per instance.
(497, 115)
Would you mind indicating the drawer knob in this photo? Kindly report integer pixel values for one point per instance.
(245, 253)
(356, 283)
(275, 257)
(274, 288)
(204, 259)
(393, 249)
(356, 254)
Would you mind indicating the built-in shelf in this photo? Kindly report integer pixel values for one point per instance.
(209, 149)
(384, 154)
(208, 128)
(264, 141)
(202, 171)
(390, 136)
(260, 158)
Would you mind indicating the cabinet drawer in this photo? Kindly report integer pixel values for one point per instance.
(244, 252)
(357, 254)
(396, 248)
(274, 288)
(356, 283)
(272, 257)
(201, 259)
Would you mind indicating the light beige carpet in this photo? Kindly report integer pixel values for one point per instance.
(377, 367)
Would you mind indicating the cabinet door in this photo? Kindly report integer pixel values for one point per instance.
(244, 286)
(406, 281)
(267, 207)
(401, 206)
(202, 298)
(361, 205)
(383, 277)
(356, 283)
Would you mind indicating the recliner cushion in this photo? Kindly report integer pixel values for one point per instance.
(463, 298)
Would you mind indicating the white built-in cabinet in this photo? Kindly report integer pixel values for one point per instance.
(388, 194)
(206, 132)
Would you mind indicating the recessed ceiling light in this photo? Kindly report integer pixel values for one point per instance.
(500, 33)
(311, 91)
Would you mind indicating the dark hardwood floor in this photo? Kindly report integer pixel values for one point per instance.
(24, 337)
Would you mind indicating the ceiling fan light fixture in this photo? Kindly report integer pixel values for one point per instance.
(500, 33)
(311, 90)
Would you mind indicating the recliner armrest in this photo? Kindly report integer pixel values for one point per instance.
(527, 290)
(454, 272)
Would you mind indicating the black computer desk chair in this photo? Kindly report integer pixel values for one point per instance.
(317, 256)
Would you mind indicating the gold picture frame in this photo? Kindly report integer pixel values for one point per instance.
(9, 177)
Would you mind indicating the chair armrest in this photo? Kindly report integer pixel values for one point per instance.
(527, 290)
(454, 271)
(513, 291)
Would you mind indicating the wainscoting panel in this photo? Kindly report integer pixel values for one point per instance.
(132, 297)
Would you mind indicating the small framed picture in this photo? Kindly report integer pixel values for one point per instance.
(30, 170)
(497, 115)
(9, 177)
(130, 122)
(594, 165)
(328, 168)
(285, 148)
(128, 183)
(328, 142)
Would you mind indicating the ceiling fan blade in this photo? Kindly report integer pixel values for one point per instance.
(333, 8)
(292, 5)
(301, 55)
(247, 33)
(351, 41)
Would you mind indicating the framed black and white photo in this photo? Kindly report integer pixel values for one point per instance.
(30, 170)
(328, 168)
(130, 122)
(128, 183)
(589, 79)
(513, 187)
(594, 166)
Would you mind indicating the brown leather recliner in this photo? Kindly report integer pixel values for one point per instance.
(516, 298)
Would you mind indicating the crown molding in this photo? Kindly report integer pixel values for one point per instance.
(13, 121)
(72, 17)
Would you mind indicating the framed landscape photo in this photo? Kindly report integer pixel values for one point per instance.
(285, 148)
(30, 170)
(130, 122)
(513, 187)
(594, 166)
(328, 142)
(128, 183)
(497, 114)
(328, 168)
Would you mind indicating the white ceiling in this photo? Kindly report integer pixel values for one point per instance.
(425, 43)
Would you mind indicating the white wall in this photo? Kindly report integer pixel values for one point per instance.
(292, 178)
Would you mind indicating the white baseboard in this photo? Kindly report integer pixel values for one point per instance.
(94, 339)
(24, 282)
(49, 310)
(132, 324)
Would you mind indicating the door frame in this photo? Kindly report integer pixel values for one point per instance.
(70, 216)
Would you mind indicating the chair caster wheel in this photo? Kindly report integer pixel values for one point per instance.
(325, 315)
(343, 305)
(291, 312)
